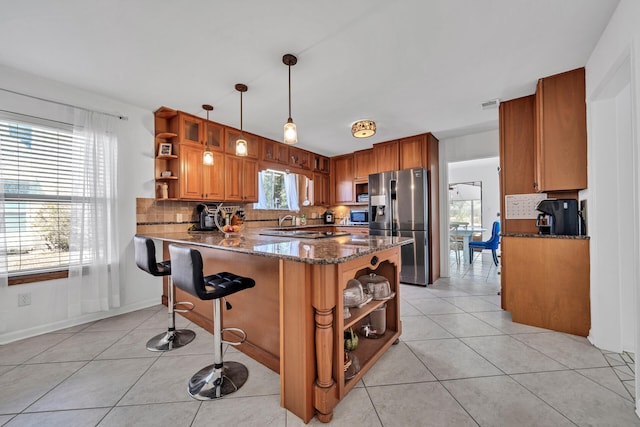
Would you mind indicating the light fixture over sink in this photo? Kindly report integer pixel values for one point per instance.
(363, 128)
(290, 131)
(241, 143)
(207, 156)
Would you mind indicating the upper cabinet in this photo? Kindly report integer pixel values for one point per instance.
(299, 158)
(253, 142)
(214, 136)
(561, 132)
(275, 152)
(190, 129)
(364, 164)
(342, 179)
(386, 155)
(413, 152)
(320, 163)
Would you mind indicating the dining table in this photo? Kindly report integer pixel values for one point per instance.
(465, 232)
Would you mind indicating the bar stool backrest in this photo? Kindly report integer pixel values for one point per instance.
(146, 257)
(186, 270)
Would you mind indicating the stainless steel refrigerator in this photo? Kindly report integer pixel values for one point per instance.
(398, 206)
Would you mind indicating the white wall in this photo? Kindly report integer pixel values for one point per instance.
(477, 146)
(608, 105)
(136, 170)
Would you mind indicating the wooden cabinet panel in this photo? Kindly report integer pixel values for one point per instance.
(299, 158)
(364, 164)
(320, 189)
(516, 157)
(213, 178)
(342, 179)
(545, 283)
(190, 171)
(249, 180)
(413, 152)
(214, 135)
(190, 129)
(276, 152)
(320, 163)
(386, 156)
(253, 142)
(233, 178)
(561, 132)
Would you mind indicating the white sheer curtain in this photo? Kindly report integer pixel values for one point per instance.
(93, 242)
(291, 186)
(262, 198)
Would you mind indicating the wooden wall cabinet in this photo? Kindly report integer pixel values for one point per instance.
(189, 128)
(413, 152)
(299, 158)
(517, 175)
(386, 155)
(548, 282)
(320, 163)
(561, 132)
(191, 169)
(241, 179)
(253, 142)
(342, 179)
(364, 164)
(321, 189)
(213, 178)
(214, 136)
(275, 152)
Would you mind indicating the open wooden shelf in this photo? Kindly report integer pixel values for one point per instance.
(167, 157)
(166, 135)
(166, 113)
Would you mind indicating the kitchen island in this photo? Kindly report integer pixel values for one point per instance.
(294, 317)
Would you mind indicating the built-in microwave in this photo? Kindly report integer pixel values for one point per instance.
(359, 217)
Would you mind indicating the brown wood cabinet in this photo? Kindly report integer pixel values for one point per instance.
(364, 164)
(299, 158)
(241, 179)
(213, 178)
(561, 132)
(548, 282)
(190, 129)
(516, 157)
(253, 142)
(321, 189)
(214, 136)
(386, 155)
(191, 167)
(275, 152)
(320, 163)
(413, 152)
(342, 179)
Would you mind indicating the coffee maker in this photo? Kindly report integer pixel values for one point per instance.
(329, 217)
(559, 216)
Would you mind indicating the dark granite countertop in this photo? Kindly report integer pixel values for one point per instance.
(544, 236)
(332, 250)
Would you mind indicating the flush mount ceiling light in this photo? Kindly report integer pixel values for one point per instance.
(207, 156)
(290, 131)
(241, 144)
(363, 128)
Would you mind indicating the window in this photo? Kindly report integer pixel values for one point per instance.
(37, 164)
(277, 190)
(465, 203)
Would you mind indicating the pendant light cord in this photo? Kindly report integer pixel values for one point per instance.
(289, 91)
(240, 114)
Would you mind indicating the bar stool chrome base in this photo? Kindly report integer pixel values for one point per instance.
(205, 385)
(170, 340)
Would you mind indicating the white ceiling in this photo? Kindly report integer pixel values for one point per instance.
(413, 66)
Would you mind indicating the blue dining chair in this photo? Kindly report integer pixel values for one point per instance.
(492, 243)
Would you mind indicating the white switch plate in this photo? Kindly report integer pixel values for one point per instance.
(24, 299)
(179, 217)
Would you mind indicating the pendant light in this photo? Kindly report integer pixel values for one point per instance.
(290, 132)
(207, 156)
(241, 144)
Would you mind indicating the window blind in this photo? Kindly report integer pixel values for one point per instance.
(38, 160)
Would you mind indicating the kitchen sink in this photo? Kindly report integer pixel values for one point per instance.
(304, 234)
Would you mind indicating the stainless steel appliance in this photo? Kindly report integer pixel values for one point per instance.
(359, 217)
(398, 206)
(207, 213)
(559, 216)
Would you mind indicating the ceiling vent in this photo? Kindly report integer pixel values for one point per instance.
(488, 105)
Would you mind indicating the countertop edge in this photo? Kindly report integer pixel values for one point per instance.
(545, 236)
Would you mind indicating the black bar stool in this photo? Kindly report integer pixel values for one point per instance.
(217, 380)
(146, 259)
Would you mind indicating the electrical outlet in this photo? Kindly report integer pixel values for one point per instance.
(24, 299)
(179, 217)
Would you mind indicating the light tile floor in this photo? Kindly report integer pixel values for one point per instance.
(461, 361)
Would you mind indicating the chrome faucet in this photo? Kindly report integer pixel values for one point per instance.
(284, 218)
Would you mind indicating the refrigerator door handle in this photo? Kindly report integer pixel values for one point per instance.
(393, 200)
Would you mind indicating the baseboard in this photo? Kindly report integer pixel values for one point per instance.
(68, 323)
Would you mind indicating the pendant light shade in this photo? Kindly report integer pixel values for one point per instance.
(207, 156)
(290, 131)
(241, 143)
